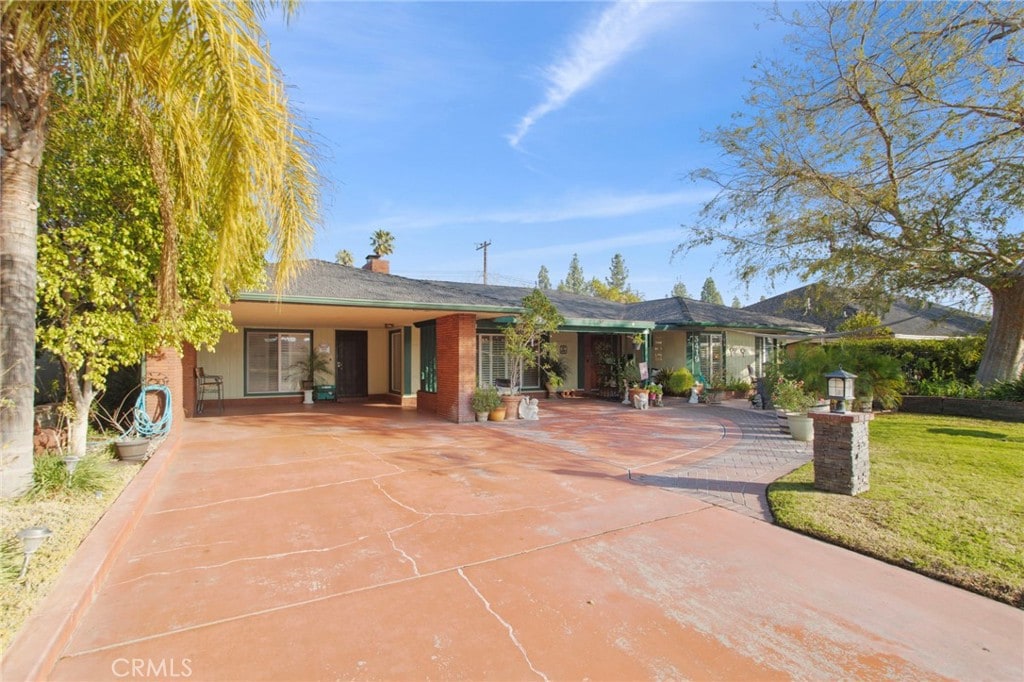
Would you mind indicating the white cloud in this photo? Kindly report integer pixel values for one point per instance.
(591, 53)
(591, 207)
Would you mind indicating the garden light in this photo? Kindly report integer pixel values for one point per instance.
(840, 388)
(31, 539)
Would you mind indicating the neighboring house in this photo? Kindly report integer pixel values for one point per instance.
(430, 343)
(906, 318)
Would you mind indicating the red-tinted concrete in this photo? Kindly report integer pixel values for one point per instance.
(374, 543)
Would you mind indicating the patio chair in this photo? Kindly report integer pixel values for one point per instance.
(208, 382)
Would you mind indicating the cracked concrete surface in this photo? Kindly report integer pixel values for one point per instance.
(368, 542)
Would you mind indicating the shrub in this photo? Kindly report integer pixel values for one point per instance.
(679, 382)
(1007, 390)
(486, 399)
(790, 395)
(50, 475)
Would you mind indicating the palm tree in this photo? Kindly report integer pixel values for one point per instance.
(382, 242)
(217, 130)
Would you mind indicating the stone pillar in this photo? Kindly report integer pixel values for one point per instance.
(841, 463)
(456, 367)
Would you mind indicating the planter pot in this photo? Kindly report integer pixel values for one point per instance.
(715, 396)
(801, 427)
(497, 414)
(482, 416)
(511, 403)
(783, 419)
(307, 397)
(132, 449)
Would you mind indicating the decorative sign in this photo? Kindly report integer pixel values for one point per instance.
(563, 349)
(643, 371)
(324, 348)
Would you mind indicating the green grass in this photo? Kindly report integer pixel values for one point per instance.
(946, 499)
(68, 506)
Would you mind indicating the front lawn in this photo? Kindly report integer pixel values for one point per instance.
(946, 500)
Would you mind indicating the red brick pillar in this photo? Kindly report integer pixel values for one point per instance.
(456, 367)
(189, 361)
(165, 366)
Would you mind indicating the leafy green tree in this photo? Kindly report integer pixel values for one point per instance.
(574, 281)
(603, 290)
(543, 278)
(897, 173)
(99, 247)
(530, 335)
(343, 257)
(736, 302)
(680, 290)
(383, 243)
(223, 148)
(709, 292)
(866, 322)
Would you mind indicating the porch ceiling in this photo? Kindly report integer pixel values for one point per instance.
(272, 314)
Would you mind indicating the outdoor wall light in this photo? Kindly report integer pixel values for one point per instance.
(31, 539)
(71, 463)
(840, 388)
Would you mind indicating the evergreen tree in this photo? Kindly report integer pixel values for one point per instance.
(543, 278)
(618, 273)
(680, 290)
(709, 293)
(736, 302)
(574, 281)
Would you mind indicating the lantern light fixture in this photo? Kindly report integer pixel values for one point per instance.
(840, 389)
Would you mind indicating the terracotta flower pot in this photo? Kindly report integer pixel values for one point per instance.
(497, 414)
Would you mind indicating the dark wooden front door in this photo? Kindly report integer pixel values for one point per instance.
(350, 365)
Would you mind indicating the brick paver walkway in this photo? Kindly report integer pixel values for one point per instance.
(738, 478)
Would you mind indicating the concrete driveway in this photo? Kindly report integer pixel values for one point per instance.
(369, 542)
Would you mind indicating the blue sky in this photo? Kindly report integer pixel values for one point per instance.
(545, 128)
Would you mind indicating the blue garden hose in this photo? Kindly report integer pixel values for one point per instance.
(146, 427)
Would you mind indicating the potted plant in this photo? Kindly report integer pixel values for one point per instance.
(791, 402)
(129, 445)
(484, 401)
(555, 372)
(308, 369)
(655, 393)
(638, 341)
(527, 340)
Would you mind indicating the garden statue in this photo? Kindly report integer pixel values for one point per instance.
(528, 409)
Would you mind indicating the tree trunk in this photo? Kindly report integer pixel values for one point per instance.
(82, 394)
(1003, 359)
(25, 90)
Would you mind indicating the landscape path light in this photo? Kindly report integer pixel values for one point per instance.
(31, 539)
(840, 388)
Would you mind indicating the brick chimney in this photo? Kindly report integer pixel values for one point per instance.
(377, 264)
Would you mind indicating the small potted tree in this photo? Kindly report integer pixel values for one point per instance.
(555, 372)
(309, 369)
(484, 401)
(527, 340)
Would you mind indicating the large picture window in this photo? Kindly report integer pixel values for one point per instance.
(270, 359)
(492, 363)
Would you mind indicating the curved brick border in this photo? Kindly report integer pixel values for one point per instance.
(38, 646)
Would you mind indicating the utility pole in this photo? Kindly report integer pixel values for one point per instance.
(484, 247)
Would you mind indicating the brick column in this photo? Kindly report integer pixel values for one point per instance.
(841, 463)
(456, 367)
(189, 362)
(165, 366)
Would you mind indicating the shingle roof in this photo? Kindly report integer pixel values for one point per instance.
(687, 311)
(829, 307)
(341, 284)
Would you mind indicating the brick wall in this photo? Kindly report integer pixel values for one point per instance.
(165, 366)
(377, 265)
(456, 367)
